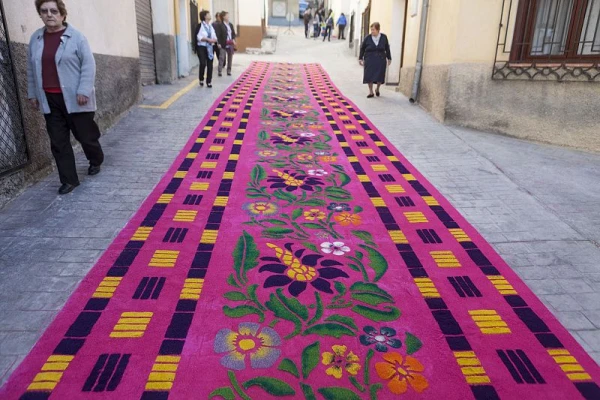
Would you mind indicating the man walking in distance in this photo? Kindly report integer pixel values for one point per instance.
(307, 17)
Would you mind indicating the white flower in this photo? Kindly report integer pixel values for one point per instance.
(299, 111)
(307, 134)
(317, 172)
(337, 248)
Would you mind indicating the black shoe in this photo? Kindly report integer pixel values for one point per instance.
(377, 93)
(93, 170)
(67, 188)
(229, 74)
(201, 83)
(209, 85)
(370, 96)
(220, 74)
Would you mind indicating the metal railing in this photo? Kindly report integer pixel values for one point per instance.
(548, 40)
(13, 146)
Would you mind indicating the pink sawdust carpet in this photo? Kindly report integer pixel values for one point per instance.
(292, 252)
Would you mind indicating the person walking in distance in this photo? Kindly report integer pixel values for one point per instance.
(341, 23)
(61, 73)
(206, 39)
(306, 18)
(229, 48)
(375, 56)
(221, 33)
(328, 26)
(316, 25)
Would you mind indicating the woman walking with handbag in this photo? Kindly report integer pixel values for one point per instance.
(229, 48)
(206, 39)
(61, 73)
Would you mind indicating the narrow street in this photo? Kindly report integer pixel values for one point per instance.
(536, 204)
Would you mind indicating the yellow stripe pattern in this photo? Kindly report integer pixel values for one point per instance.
(131, 325)
(489, 322)
(569, 364)
(395, 189)
(208, 165)
(378, 202)
(163, 373)
(180, 174)
(427, 288)
(471, 367)
(164, 259)
(165, 198)
(106, 289)
(185, 216)
(141, 234)
(201, 186)
(379, 168)
(209, 236)
(416, 217)
(221, 201)
(398, 237)
(459, 235)
(445, 259)
(364, 178)
(192, 288)
(430, 201)
(51, 373)
(502, 285)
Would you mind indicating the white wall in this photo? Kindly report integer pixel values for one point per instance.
(163, 17)
(109, 25)
(395, 32)
(250, 12)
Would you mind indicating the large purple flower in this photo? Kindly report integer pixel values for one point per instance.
(291, 181)
(296, 270)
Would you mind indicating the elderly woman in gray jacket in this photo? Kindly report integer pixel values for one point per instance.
(61, 72)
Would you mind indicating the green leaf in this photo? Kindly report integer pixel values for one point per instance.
(359, 287)
(343, 320)
(378, 262)
(329, 329)
(338, 393)
(253, 297)
(363, 235)
(313, 202)
(310, 358)
(308, 392)
(311, 225)
(263, 135)
(231, 281)
(275, 221)
(310, 246)
(357, 385)
(371, 298)
(258, 174)
(389, 313)
(340, 287)
(297, 213)
(265, 112)
(319, 311)
(374, 389)
(357, 209)
(272, 386)
(224, 392)
(367, 366)
(288, 365)
(275, 305)
(293, 304)
(242, 311)
(278, 231)
(258, 196)
(413, 344)
(327, 138)
(337, 191)
(245, 256)
(344, 179)
(354, 267)
(235, 296)
(281, 195)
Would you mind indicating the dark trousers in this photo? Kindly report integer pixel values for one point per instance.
(341, 34)
(306, 30)
(206, 64)
(317, 31)
(59, 124)
(327, 33)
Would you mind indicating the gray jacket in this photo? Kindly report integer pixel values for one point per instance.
(76, 70)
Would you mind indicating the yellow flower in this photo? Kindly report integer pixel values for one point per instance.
(313, 214)
(328, 158)
(338, 361)
(267, 153)
(346, 219)
(304, 157)
(302, 273)
(261, 208)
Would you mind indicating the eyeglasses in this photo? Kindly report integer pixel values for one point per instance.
(49, 11)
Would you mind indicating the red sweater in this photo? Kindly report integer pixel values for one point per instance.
(50, 81)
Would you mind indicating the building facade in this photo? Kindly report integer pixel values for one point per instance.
(24, 146)
(525, 68)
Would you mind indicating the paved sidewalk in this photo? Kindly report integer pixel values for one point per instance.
(537, 204)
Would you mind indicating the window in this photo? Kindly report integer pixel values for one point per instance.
(557, 31)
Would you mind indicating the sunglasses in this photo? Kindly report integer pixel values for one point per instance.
(49, 11)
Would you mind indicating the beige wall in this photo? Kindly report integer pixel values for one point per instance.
(251, 12)
(109, 25)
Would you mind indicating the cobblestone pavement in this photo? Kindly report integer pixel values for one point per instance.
(538, 205)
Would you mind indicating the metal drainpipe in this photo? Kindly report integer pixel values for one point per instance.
(420, 53)
(176, 17)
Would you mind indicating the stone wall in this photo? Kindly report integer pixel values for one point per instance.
(560, 113)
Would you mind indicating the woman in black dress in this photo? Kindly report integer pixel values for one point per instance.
(375, 56)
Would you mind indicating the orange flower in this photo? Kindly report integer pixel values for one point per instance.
(304, 157)
(328, 158)
(297, 125)
(401, 372)
(346, 219)
(315, 126)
